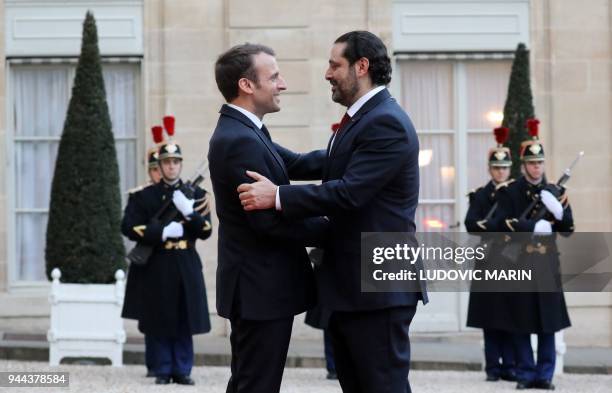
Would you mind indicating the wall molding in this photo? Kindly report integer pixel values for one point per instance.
(453, 25)
(53, 28)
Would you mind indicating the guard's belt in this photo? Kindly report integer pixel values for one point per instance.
(537, 248)
(178, 245)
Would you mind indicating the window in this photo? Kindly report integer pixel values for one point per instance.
(454, 105)
(39, 99)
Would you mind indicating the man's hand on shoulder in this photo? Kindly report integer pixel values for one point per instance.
(259, 195)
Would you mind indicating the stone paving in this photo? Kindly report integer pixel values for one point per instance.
(107, 379)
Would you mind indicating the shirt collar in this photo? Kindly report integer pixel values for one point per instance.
(363, 99)
(248, 114)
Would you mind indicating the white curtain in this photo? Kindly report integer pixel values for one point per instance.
(427, 93)
(487, 87)
(427, 96)
(477, 149)
(437, 176)
(41, 95)
(40, 99)
(121, 83)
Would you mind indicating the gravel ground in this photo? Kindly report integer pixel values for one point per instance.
(106, 379)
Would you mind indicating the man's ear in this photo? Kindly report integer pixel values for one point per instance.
(362, 66)
(245, 85)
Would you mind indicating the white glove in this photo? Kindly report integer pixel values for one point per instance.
(174, 229)
(552, 204)
(182, 203)
(542, 227)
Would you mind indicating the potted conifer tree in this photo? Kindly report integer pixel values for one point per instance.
(85, 255)
(519, 106)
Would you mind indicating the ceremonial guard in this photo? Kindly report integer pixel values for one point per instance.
(174, 305)
(153, 155)
(485, 310)
(133, 291)
(531, 204)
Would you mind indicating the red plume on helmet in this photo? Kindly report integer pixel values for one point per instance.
(169, 125)
(158, 134)
(533, 127)
(501, 135)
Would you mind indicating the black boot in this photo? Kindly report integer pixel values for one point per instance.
(183, 380)
(543, 384)
(162, 380)
(508, 376)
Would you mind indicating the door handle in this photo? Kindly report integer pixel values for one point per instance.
(455, 225)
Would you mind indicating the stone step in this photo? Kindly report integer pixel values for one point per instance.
(428, 353)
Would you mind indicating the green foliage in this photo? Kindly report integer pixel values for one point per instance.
(519, 106)
(83, 233)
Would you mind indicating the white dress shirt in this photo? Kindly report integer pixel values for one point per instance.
(351, 111)
(256, 120)
(356, 106)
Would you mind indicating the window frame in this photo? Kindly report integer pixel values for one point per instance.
(453, 319)
(33, 287)
(461, 132)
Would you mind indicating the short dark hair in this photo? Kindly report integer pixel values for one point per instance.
(235, 64)
(365, 44)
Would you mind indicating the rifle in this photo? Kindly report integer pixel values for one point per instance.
(139, 255)
(541, 212)
(489, 214)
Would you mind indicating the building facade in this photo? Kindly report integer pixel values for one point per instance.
(451, 59)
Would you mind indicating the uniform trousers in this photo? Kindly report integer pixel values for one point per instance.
(527, 369)
(498, 345)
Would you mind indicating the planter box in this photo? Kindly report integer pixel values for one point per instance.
(86, 320)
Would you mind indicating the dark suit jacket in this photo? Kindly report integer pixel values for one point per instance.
(481, 202)
(263, 270)
(370, 184)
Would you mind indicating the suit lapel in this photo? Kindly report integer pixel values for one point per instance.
(327, 161)
(268, 143)
(368, 106)
(343, 132)
(231, 112)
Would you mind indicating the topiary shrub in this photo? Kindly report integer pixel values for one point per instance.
(83, 233)
(519, 106)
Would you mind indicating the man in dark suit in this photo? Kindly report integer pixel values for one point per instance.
(264, 277)
(370, 184)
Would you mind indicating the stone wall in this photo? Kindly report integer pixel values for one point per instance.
(571, 66)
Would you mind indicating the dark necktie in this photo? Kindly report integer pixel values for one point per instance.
(345, 119)
(265, 131)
